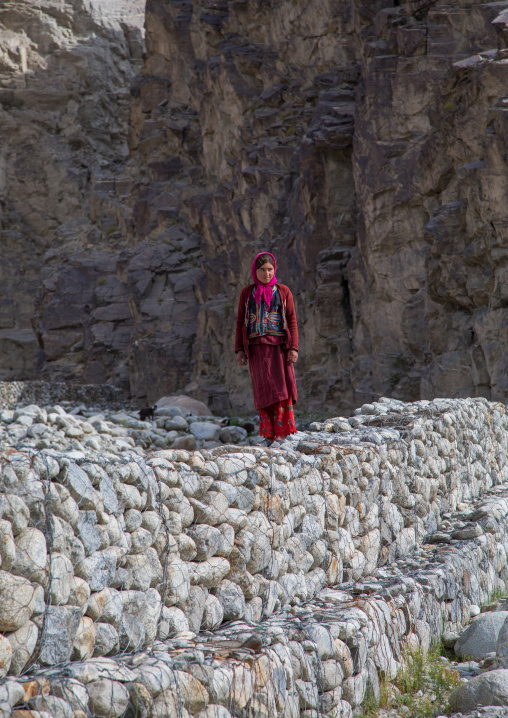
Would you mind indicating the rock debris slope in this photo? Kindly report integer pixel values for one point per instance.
(362, 142)
(237, 580)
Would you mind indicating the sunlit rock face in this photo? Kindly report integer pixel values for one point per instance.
(362, 144)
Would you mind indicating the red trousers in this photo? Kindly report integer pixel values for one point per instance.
(277, 420)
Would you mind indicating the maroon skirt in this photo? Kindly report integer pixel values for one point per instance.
(273, 379)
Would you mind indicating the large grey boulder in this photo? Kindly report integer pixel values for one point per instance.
(487, 689)
(205, 430)
(185, 403)
(502, 645)
(480, 637)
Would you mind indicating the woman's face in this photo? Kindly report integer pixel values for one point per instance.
(265, 273)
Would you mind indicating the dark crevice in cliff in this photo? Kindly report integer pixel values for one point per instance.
(346, 303)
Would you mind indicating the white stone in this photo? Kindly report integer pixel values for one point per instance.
(214, 711)
(141, 540)
(106, 606)
(5, 656)
(23, 642)
(212, 510)
(12, 693)
(156, 678)
(80, 592)
(205, 430)
(221, 683)
(106, 639)
(211, 572)
(107, 698)
(146, 607)
(213, 613)
(133, 519)
(84, 642)
(173, 621)
(7, 545)
(62, 579)
(52, 706)
(15, 510)
(177, 586)
(232, 600)
(16, 601)
(31, 555)
(206, 538)
(194, 696)
(98, 569)
(71, 690)
(81, 488)
(151, 521)
(186, 547)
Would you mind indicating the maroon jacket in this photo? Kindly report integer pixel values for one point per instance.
(288, 317)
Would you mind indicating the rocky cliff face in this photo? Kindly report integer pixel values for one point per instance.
(361, 142)
(65, 73)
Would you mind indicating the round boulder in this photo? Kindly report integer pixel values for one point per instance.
(186, 403)
(487, 689)
(481, 636)
(107, 698)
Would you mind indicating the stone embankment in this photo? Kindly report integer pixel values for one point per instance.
(239, 580)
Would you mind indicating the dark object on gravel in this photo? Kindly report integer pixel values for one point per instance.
(147, 412)
(247, 425)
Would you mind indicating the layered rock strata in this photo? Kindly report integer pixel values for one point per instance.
(275, 581)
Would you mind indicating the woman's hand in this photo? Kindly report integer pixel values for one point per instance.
(241, 357)
(292, 356)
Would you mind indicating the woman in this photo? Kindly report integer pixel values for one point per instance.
(267, 339)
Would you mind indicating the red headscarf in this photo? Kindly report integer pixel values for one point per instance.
(263, 290)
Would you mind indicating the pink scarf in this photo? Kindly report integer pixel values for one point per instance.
(264, 290)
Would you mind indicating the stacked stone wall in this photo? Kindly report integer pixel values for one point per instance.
(245, 581)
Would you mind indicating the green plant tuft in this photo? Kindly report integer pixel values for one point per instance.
(423, 686)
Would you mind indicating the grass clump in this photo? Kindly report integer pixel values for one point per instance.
(420, 690)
